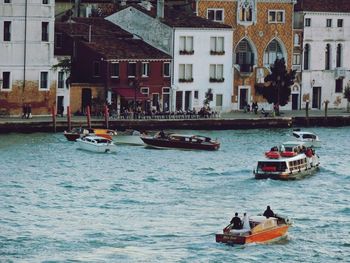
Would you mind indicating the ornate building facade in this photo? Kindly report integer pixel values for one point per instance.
(263, 31)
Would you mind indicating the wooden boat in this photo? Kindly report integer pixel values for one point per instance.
(131, 137)
(76, 133)
(260, 230)
(292, 160)
(310, 139)
(180, 141)
(96, 144)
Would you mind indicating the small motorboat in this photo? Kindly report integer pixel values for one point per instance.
(76, 133)
(291, 160)
(260, 230)
(106, 133)
(310, 139)
(131, 137)
(96, 144)
(180, 141)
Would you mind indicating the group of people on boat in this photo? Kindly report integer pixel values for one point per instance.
(238, 223)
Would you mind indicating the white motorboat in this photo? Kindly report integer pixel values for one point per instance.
(96, 144)
(292, 160)
(131, 137)
(310, 139)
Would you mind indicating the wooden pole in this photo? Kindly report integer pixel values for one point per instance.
(106, 116)
(69, 120)
(307, 113)
(53, 113)
(88, 116)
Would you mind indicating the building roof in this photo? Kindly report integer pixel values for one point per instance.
(338, 6)
(125, 49)
(174, 17)
(99, 27)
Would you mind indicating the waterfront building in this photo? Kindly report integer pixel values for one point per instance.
(27, 56)
(201, 50)
(263, 31)
(326, 47)
(110, 65)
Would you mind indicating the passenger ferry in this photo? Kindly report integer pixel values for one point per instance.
(292, 160)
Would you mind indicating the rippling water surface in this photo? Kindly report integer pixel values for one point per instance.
(58, 203)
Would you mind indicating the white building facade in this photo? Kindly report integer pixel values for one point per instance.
(325, 65)
(202, 57)
(27, 55)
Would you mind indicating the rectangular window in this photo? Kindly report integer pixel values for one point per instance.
(186, 45)
(131, 69)
(60, 82)
(296, 59)
(6, 80)
(276, 16)
(166, 69)
(45, 31)
(215, 15)
(145, 91)
(7, 31)
(217, 45)
(340, 23)
(155, 100)
(166, 90)
(218, 100)
(196, 94)
(185, 73)
(216, 73)
(58, 40)
(44, 80)
(114, 70)
(145, 69)
(96, 69)
(7, 1)
(329, 23)
(307, 22)
(45, 2)
(339, 85)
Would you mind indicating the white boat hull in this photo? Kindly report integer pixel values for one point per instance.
(96, 148)
(128, 139)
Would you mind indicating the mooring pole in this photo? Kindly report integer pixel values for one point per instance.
(106, 117)
(69, 120)
(88, 116)
(53, 113)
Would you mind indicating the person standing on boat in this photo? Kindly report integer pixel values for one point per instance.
(246, 224)
(268, 212)
(236, 222)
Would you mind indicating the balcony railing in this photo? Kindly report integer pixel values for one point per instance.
(246, 68)
(186, 52)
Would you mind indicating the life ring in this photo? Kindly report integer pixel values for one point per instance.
(288, 154)
(272, 154)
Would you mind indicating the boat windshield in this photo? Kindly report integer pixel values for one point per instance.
(309, 136)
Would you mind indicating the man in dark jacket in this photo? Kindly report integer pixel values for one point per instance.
(236, 222)
(268, 212)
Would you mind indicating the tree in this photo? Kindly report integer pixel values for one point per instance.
(64, 65)
(208, 97)
(347, 96)
(277, 89)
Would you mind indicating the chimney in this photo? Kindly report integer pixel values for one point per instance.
(160, 8)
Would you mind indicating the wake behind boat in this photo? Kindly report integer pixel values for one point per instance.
(180, 141)
(292, 160)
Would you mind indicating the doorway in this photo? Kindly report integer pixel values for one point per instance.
(316, 97)
(60, 106)
(178, 100)
(85, 99)
(243, 98)
(188, 95)
(295, 101)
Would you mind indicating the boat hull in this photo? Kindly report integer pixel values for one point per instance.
(266, 236)
(128, 139)
(72, 136)
(161, 143)
(96, 148)
(287, 176)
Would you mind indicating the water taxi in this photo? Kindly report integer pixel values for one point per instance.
(259, 230)
(180, 141)
(96, 144)
(310, 139)
(292, 160)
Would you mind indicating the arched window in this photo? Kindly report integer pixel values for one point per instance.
(296, 40)
(245, 11)
(272, 52)
(307, 57)
(244, 56)
(339, 55)
(328, 57)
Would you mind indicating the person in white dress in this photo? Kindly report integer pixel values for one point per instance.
(246, 224)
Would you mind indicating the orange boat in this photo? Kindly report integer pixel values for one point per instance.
(105, 133)
(260, 230)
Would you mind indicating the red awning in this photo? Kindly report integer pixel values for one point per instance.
(129, 93)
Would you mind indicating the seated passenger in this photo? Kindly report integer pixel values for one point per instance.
(268, 212)
(236, 222)
(246, 224)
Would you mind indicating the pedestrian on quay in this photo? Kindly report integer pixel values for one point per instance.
(29, 111)
(24, 110)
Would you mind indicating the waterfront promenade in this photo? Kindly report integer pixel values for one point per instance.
(231, 120)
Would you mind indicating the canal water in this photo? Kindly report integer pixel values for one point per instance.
(60, 204)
